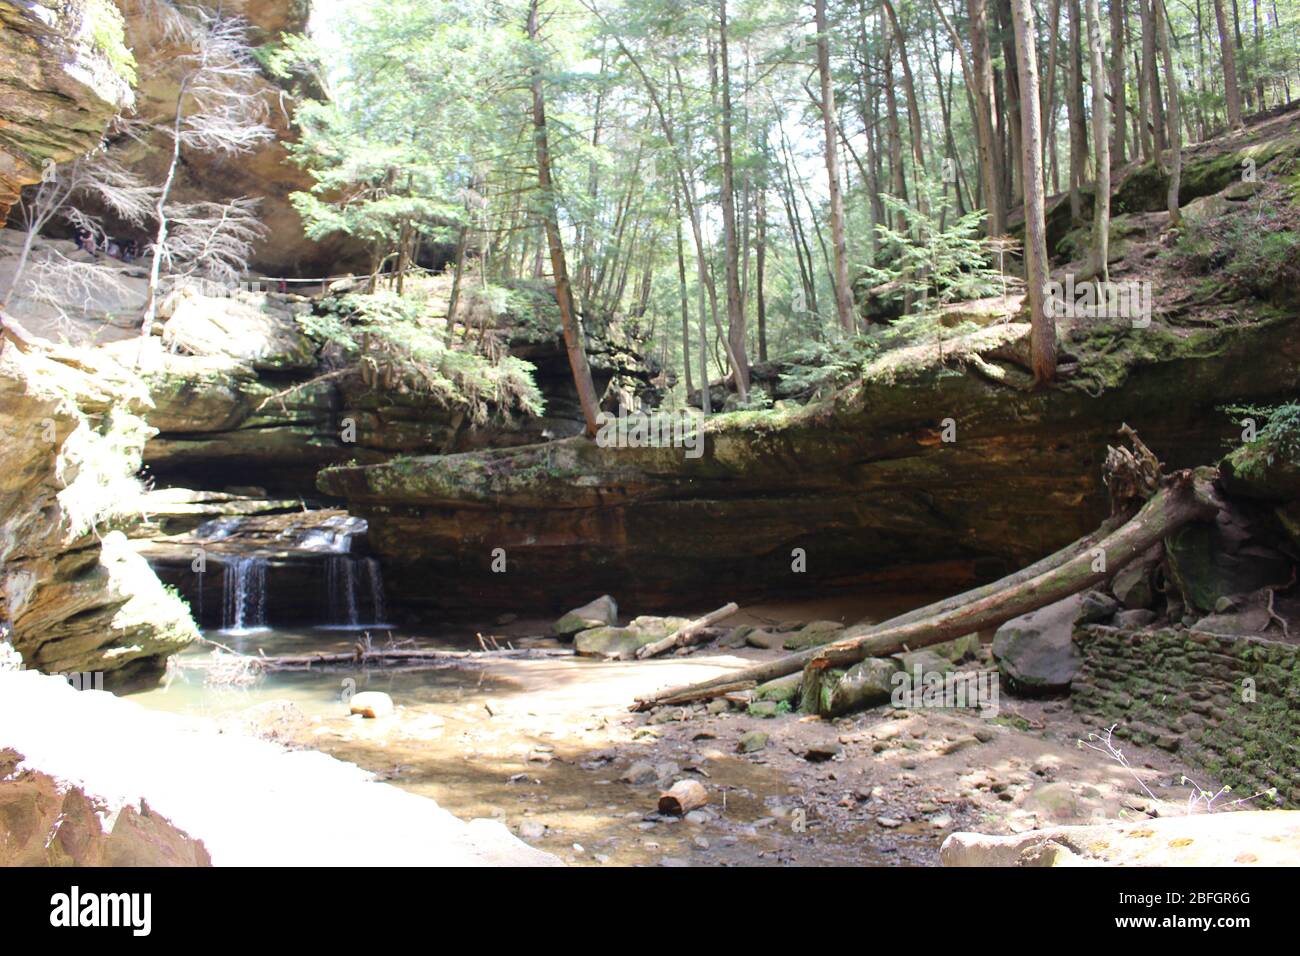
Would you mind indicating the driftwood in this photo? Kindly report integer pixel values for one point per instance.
(687, 634)
(412, 657)
(683, 797)
(1182, 497)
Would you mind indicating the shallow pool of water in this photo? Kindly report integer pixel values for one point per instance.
(318, 692)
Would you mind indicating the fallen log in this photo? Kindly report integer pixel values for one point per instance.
(727, 684)
(685, 634)
(360, 656)
(683, 797)
(1182, 497)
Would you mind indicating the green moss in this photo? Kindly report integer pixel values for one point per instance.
(102, 20)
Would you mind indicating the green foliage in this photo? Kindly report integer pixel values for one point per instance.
(821, 367)
(941, 259)
(1277, 428)
(393, 335)
(1254, 252)
(104, 24)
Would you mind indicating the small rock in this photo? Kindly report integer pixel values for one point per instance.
(1132, 586)
(1134, 620)
(889, 823)
(961, 743)
(531, 830)
(371, 703)
(752, 742)
(640, 773)
(820, 753)
(1096, 607)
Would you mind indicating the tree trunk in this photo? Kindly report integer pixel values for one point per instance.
(1075, 110)
(1175, 115)
(1118, 88)
(735, 306)
(453, 300)
(681, 288)
(1151, 80)
(839, 247)
(1182, 498)
(1101, 143)
(986, 121)
(563, 291)
(1043, 337)
(760, 268)
(1231, 93)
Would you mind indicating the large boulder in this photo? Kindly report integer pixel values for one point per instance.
(621, 643)
(1236, 554)
(256, 329)
(1035, 652)
(868, 683)
(601, 612)
(862, 481)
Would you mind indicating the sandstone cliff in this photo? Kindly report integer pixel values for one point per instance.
(64, 72)
(74, 595)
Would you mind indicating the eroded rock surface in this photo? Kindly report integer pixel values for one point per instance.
(75, 595)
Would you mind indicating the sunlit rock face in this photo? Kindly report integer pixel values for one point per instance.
(64, 72)
(266, 173)
(74, 595)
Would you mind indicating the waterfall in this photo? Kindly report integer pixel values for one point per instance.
(376, 578)
(341, 590)
(244, 594)
(351, 586)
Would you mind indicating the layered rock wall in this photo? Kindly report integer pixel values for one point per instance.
(1227, 704)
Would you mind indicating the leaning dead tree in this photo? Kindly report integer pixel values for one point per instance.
(1174, 500)
(69, 192)
(218, 110)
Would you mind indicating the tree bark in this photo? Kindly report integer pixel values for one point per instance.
(839, 247)
(1075, 109)
(1118, 88)
(1183, 497)
(1151, 79)
(1175, 115)
(563, 291)
(1101, 143)
(1231, 92)
(735, 305)
(1043, 336)
(986, 120)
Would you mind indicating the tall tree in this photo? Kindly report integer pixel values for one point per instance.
(735, 304)
(986, 117)
(1118, 88)
(843, 291)
(559, 267)
(1043, 326)
(1231, 92)
(1101, 143)
(1175, 114)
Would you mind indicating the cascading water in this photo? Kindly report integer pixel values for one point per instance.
(354, 589)
(244, 595)
(376, 578)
